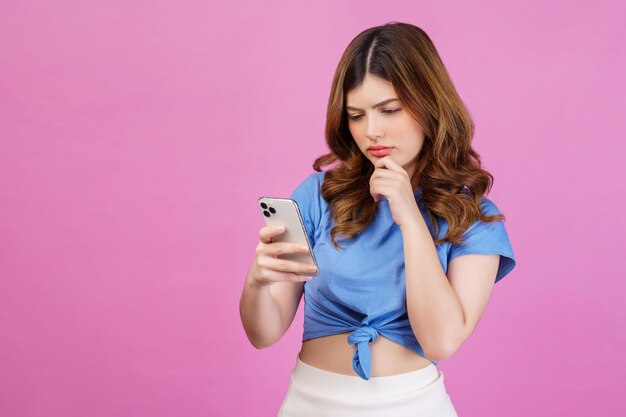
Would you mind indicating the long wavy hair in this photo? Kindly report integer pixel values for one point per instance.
(448, 169)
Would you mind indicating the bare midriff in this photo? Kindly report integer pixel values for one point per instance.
(334, 354)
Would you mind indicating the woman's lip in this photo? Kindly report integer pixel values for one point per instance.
(380, 152)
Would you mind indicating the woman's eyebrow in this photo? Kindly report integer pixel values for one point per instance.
(375, 105)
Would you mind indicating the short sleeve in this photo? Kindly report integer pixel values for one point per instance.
(307, 197)
(487, 239)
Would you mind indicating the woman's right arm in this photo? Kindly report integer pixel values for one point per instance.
(272, 290)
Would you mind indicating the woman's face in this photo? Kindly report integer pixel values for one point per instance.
(388, 124)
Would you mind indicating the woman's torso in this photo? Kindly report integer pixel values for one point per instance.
(334, 354)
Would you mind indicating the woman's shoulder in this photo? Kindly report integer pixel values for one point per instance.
(308, 188)
(318, 176)
(487, 206)
(311, 183)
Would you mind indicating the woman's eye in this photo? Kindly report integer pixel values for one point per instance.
(384, 111)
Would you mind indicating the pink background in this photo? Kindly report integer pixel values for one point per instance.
(135, 138)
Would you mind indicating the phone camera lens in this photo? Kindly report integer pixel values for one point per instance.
(266, 214)
(272, 210)
(264, 206)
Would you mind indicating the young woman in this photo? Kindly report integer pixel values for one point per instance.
(421, 246)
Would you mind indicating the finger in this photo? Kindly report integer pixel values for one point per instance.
(276, 276)
(280, 248)
(381, 187)
(266, 233)
(385, 182)
(389, 163)
(285, 265)
(385, 173)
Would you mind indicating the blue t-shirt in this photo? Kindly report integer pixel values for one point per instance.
(361, 289)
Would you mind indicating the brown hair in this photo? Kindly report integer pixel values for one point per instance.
(405, 56)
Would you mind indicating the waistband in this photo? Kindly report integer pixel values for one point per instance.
(331, 383)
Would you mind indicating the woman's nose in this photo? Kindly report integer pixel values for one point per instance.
(374, 128)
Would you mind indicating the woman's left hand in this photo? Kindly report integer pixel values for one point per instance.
(389, 179)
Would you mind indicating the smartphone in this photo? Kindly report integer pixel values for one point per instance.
(285, 212)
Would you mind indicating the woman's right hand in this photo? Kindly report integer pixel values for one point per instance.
(268, 268)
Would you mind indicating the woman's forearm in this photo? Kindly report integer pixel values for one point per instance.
(433, 307)
(260, 314)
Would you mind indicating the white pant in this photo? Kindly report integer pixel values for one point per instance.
(315, 392)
